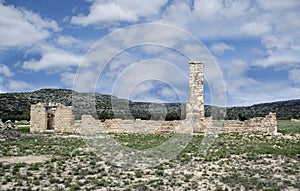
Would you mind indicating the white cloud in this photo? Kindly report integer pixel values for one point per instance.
(244, 90)
(207, 10)
(233, 9)
(67, 78)
(280, 59)
(52, 59)
(288, 23)
(153, 90)
(220, 48)
(4, 70)
(156, 70)
(16, 85)
(294, 76)
(20, 27)
(102, 11)
(278, 5)
(235, 75)
(216, 19)
(178, 14)
(279, 42)
(66, 40)
(255, 28)
(265, 92)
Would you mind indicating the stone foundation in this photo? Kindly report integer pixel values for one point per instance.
(258, 125)
(295, 120)
(89, 125)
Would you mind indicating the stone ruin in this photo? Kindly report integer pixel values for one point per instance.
(195, 121)
(51, 118)
(59, 118)
(295, 120)
(7, 125)
(256, 125)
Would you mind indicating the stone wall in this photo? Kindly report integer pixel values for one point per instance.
(59, 118)
(195, 121)
(295, 120)
(258, 125)
(38, 118)
(64, 119)
(51, 118)
(261, 125)
(89, 125)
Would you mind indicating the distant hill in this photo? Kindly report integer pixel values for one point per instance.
(283, 109)
(16, 106)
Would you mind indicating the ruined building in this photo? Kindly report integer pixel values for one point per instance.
(59, 118)
(51, 118)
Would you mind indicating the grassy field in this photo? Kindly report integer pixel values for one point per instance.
(233, 162)
(288, 127)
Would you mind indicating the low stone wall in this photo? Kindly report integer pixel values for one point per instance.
(89, 126)
(258, 125)
(295, 120)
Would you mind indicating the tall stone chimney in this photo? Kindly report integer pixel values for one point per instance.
(195, 106)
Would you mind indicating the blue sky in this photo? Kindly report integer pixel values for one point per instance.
(255, 43)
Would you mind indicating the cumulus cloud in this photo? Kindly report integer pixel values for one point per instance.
(207, 10)
(16, 85)
(265, 92)
(67, 78)
(5, 71)
(235, 74)
(275, 25)
(245, 90)
(279, 42)
(20, 27)
(255, 28)
(52, 59)
(102, 11)
(64, 40)
(278, 5)
(294, 76)
(152, 70)
(220, 48)
(280, 59)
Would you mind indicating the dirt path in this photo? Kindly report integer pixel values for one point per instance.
(26, 159)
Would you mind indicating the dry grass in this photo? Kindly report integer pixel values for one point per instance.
(234, 161)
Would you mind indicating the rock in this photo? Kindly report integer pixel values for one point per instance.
(8, 125)
(9, 134)
(277, 134)
(22, 122)
(295, 120)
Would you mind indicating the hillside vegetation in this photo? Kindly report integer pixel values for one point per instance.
(16, 106)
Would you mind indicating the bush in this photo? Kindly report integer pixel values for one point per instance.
(105, 115)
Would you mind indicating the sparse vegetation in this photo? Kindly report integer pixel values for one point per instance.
(16, 106)
(288, 127)
(233, 161)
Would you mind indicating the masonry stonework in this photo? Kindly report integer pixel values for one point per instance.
(59, 118)
(51, 118)
(258, 125)
(195, 121)
(195, 106)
